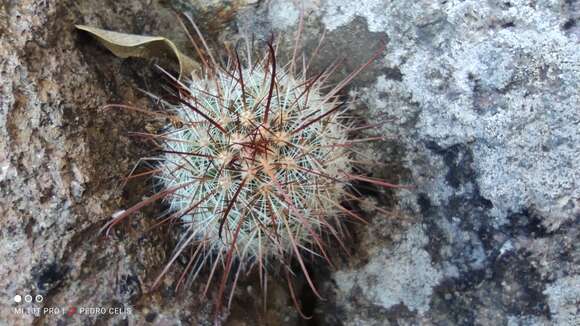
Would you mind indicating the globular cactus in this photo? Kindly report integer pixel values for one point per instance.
(256, 163)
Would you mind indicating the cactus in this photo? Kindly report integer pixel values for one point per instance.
(256, 162)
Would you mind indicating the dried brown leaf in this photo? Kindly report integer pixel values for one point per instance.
(131, 45)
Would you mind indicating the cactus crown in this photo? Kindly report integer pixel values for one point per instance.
(264, 178)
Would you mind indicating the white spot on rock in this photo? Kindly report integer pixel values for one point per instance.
(564, 300)
(283, 13)
(403, 275)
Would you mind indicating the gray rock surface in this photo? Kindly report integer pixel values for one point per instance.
(62, 160)
(482, 107)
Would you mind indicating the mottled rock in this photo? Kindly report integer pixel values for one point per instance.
(62, 160)
(487, 111)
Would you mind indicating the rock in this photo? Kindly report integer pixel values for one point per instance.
(486, 109)
(563, 300)
(62, 160)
